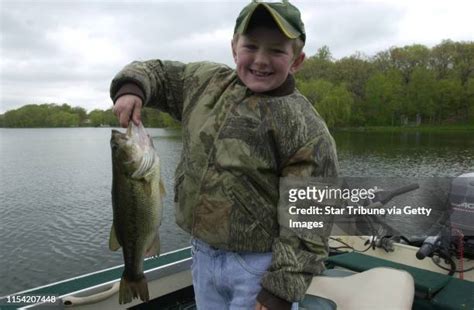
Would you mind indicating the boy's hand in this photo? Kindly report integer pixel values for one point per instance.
(126, 108)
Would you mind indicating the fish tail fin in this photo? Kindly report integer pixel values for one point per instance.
(130, 289)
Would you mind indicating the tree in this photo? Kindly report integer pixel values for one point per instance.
(97, 118)
(319, 66)
(421, 94)
(442, 58)
(468, 95)
(63, 119)
(338, 105)
(109, 118)
(355, 72)
(448, 99)
(81, 114)
(332, 102)
(407, 58)
(315, 90)
(464, 61)
(384, 95)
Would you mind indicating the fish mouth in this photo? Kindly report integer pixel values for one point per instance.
(118, 138)
(117, 134)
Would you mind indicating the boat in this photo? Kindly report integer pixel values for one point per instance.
(363, 272)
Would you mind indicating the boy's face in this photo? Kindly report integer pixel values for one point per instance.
(264, 57)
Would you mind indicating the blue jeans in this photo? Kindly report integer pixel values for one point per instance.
(227, 280)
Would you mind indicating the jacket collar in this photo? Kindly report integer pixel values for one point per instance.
(284, 89)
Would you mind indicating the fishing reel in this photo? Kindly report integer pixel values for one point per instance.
(382, 235)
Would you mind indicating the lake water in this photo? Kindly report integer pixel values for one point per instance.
(55, 186)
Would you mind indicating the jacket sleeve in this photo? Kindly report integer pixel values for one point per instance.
(297, 258)
(159, 83)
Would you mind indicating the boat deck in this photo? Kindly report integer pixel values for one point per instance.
(170, 284)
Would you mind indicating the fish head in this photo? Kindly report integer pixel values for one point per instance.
(126, 153)
(132, 152)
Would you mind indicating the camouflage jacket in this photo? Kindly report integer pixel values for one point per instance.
(236, 146)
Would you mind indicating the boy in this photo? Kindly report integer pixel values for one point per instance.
(243, 129)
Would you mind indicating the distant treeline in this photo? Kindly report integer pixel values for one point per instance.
(401, 86)
(408, 85)
(53, 115)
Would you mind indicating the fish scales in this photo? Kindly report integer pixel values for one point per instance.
(137, 192)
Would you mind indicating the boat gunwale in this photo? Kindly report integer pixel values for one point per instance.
(159, 263)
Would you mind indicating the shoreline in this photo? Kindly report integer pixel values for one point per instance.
(422, 128)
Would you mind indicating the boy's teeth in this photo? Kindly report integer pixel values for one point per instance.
(258, 73)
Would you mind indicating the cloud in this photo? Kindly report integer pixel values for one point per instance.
(350, 26)
(68, 51)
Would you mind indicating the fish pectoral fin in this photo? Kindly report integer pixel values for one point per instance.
(154, 249)
(114, 245)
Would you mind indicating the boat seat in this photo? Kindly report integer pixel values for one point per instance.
(320, 303)
(392, 288)
(433, 290)
(427, 283)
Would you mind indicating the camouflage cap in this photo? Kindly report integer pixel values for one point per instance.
(285, 15)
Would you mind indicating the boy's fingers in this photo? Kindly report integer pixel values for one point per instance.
(128, 107)
(137, 112)
(124, 118)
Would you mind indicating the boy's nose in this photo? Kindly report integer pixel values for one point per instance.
(261, 58)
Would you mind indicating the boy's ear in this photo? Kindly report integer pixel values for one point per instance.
(234, 53)
(297, 63)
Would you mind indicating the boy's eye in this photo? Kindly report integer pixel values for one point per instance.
(278, 51)
(250, 46)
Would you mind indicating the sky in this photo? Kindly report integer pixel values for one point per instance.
(65, 51)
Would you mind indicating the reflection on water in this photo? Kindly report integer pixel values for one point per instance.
(56, 204)
(405, 154)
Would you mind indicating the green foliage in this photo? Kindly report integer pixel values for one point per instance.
(332, 102)
(402, 85)
(354, 71)
(53, 115)
(421, 93)
(315, 90)
(448, 98)
(44, 115)
(319, 66)
(468, 97)
(168, 121)
(384, 95)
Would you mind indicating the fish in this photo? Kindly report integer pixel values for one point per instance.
(137, 204)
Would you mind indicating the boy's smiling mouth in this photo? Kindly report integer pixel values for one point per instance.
(260, 73)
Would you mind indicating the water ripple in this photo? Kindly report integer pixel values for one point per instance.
(56, 204)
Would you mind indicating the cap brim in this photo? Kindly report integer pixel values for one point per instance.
(286, 28)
